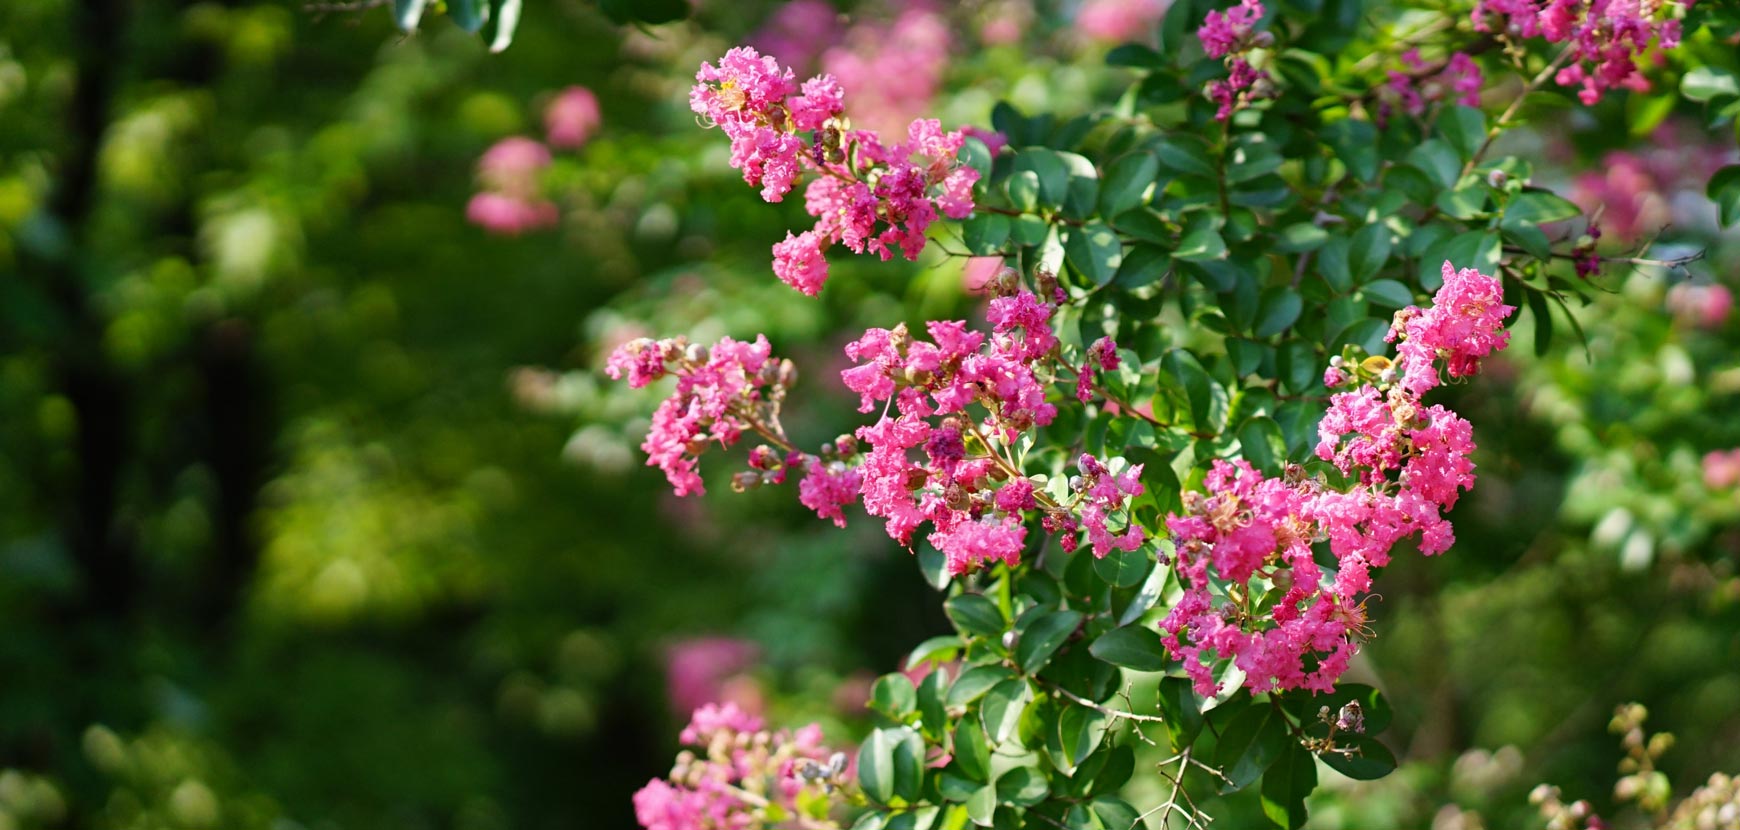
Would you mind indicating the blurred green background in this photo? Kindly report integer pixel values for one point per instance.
(314, 512)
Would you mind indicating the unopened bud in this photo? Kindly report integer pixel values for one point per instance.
(1263, 40)
(916, 478)
(695, 353)
(745, 480)
(788, 373)
(1497, 178)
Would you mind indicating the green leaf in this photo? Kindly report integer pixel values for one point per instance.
(985, 233)
(1724, 190)
(407, 13)
(1126, 182)
(1286, 785)
(1356, 144)
(504, 18)
(1023, 189)
(1534, 207)
(934, 650)
(1367, 252)
(1144, 264)
(1372, 705)
(982, 806)
(1278, 310)
(1371, 760)
(1043, 637)
(1438, 161)
(974, 683)
(1262, 444)
(1084, 186)
(1095, 251)
(1115, 813)
(1185, 154)
(1134, 55)
(1332, 264)
(1707, 83)
(1387, 293)
(1301, 236)
(932, 710)
(1252, 741)
(467, 14)
(1207, 399)
(1464, 128)
(893, 695)
(971, 753)
(1124, 568)
(976, 614)
(1543, 320)
(1080, 731)
(876, 766)
(1200, 244)
(1182, 710)
(1049, 169)
(1022, 787)
(1002, 707)
(1146, 597)
(1132, 647)
(908, 763)
(977, 156)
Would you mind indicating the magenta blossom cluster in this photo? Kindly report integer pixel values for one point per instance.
(1254, 593)
(740, 775)
(1423, 83)
(722, 392)
(510, 200)
(1231, 35)
(961, 401)
(894, 68)
(866, 195)
(1606, 37)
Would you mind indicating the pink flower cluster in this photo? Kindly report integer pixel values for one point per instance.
(1231, 35)
(1118, 21)
(709, 670)
(740, 775)
(511, 201)
(1606, 36)
(1640, 191)
(894, 68)
(967, 487)
(865, 195)
(1457, 80)
(1722, 469)
(721, 393)
(960, 401)
(1705, 306)
(1405, 464)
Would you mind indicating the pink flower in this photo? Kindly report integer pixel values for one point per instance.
(1606, 36)
(511, 161)
(893, 68)
(827, 487)
(1705, 306)
(799, 263)
(509, 215)
(798, 31)
(1231, 95)
(1225, 32)
(1465, 323)
(970, 544)
(1722, 469)
(696, 670)
(571, 118)
(738, 774)
(1117, 21)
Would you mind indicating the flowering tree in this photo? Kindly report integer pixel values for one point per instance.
(1156, 482)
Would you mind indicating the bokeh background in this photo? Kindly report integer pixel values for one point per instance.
(315, 512)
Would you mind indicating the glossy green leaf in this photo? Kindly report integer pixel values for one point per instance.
(876, 766)
(893, 695)
(1126, 182)
(1279, 308)
(1131, 647)
(975, 614)
(1369, 761)
(1048, 168)
(982, 806)
(407, 13)
(1709, 83)
(1001, 709)
(1249, 743)
(468, 14)
(985, 233)
(1199, 245)
(1464, 128)
(1262, 444)
(1043, 637)
(975, 682)
(971, 752)
(1387, 293)
(1286, 785)
(504, 19)
(1095, 251)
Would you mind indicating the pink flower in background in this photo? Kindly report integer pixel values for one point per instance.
(737, 774)
(1119, 21)
(698, 671)
(509, 215)
(1722, 469)
(798, 32)
(1607, 36)
(1705, 306)
(571, 118)
(893, 69)
(1626, 192)
(1003, 22)
(511, 201)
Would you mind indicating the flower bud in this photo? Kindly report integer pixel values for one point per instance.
(1496, 178)
(1263, 40)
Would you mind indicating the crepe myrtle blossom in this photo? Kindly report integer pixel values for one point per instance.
(737, 773)
(511, 201)
(1421, 83)
(571, 118)
(1604, 38)
(1232, 35)
(865, 194)
(1255, 593)
(952, 408)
